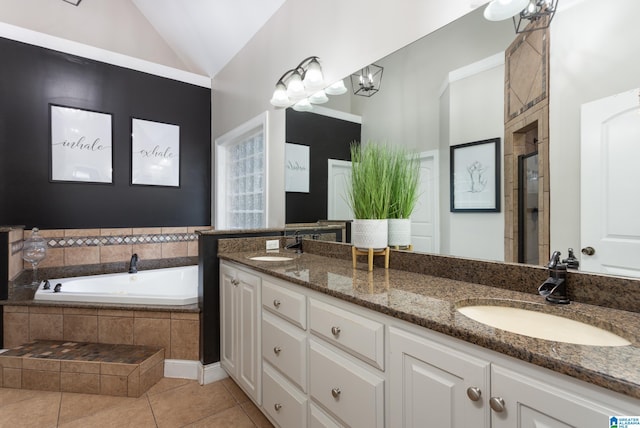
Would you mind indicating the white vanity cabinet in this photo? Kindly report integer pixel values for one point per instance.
(240, 327)
(330, 363)
(462, 386)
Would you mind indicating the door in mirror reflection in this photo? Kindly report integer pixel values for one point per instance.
(424, 219)
(610, 193)
(338, 183)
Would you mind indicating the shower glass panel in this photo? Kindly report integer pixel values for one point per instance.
(528, 208)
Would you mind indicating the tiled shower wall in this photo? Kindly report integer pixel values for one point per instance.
(73, 247)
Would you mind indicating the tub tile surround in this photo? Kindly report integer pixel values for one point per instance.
(175, 332)
(89, 368)
(71, 247)
(426, 289)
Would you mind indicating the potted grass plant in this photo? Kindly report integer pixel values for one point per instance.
(370, 194)
(404, 175)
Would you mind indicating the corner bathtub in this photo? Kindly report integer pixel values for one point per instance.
(170, 286)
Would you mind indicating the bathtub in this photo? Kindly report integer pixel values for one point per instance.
(170, 286)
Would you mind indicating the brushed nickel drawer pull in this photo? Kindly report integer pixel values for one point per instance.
(474, 393)
(277, 406)
(276, 303)
(335, 392)
(497, 404)
(335, 331)
(277, 350)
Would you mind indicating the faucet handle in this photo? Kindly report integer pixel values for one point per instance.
(555, 259)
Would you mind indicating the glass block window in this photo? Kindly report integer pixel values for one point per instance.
(240, 175)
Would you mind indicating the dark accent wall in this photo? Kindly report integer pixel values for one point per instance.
(327, 138)
(31, 78)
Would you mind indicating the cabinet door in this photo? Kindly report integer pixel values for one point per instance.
(249, 367)
(429, 384)
(228, 305)
(530, 402)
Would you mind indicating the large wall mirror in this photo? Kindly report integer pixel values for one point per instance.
(447, 89)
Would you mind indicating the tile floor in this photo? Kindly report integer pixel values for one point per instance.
(169, 403)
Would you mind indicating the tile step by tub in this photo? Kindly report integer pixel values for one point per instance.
(90, 368)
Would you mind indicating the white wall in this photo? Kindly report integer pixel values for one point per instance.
(113, 25)
(405, 110)
(594, 54)
(476, 113)
(346, 35)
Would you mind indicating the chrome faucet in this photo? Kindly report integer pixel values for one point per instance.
(554, 289)
(133, 264)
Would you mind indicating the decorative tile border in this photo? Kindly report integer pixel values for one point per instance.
(97, 241)
(16, 247)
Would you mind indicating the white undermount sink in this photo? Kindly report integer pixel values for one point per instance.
(271, 258)
(542, 325)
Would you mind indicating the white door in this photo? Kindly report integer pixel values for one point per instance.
(424, 219)
(610, 196)
(338, 182)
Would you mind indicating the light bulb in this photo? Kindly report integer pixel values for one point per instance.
(319, 97)
(280, 98)
(313, 79)
(295, 87)
(336, 88)
(303, 105)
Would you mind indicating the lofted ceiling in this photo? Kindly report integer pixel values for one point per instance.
(207, 34)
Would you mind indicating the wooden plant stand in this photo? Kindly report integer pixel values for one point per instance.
(370, 253)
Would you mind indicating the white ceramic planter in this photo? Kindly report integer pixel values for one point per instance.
(369, 234)
(399, 232)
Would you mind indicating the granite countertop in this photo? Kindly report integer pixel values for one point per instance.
(431, 302)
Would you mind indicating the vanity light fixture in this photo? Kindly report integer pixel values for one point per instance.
(522, 12)
(367, 81)
(301, 86)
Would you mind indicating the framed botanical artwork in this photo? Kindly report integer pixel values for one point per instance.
(155, 153)
(475, 176)
(81, 145)
(296, 168)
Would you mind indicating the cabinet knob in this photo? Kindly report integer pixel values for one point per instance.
(474, 393)
(335, 392)
(277, 350)
(335, 331)
(497, 404)
(277, 406)
(276, 303)
(235, 282)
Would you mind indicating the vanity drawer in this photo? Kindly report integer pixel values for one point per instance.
(286, 405)
(285, 347)
(288, 304)
(351, 393)
(319, 419)
(358, 335)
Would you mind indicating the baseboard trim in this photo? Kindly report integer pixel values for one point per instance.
(212, 373)
(194, 370)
